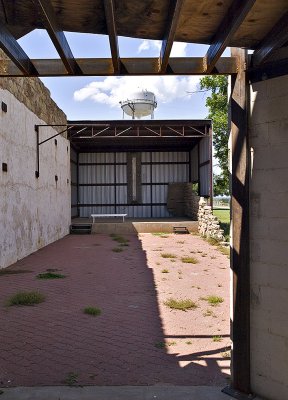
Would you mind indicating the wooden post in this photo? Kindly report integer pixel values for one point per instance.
(240, 255)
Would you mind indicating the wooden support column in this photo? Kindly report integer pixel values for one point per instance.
(240, 257)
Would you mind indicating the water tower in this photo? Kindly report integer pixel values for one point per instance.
(141, 104)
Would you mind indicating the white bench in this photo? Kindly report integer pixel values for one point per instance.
(107, 215)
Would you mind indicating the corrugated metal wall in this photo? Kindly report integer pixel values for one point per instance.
(103, 182)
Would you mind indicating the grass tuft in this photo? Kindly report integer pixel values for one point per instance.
(209, 313)
(117, 249)
(168, 255)
(160, 345)
(92, 311)
(213, 300)
(217, 338)
(118, 238)
(180, 304)
(50, 275)
(160, 234)
(189, 260)
(26, 299)
(71, 379)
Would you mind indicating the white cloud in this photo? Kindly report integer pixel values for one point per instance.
(154, 46)
(112, 89)
(143, 46)
(179, 49)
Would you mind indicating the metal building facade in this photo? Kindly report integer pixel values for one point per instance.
(103, 182)
(102, 179)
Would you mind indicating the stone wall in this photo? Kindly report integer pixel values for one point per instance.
(182, 201)
(208, 224)
(269, 240)
(33, 94)
(33, 212)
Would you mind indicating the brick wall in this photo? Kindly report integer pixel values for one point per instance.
(269, 238)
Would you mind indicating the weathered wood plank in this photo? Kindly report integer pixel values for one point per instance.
(112, 32)
(57, 36)
(240, 256)
(15, 52)
(231, 22)
(133, 66)
(167, 43)
(275, 39)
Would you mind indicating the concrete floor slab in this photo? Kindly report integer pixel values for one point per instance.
(116, 393)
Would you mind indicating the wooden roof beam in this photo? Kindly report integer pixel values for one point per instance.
(275, 39)
(14, 51)
(167, 43)
(230, 24)
(57, 36)
(131, 66)
(112, 32)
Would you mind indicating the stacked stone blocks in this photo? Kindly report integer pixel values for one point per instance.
(208, 224)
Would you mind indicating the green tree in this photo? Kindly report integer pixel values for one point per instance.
(217, 104)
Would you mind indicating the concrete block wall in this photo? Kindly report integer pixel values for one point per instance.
(33, 212)
(269, 238)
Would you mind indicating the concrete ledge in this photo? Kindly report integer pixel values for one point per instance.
(142, 227)
(116, 393)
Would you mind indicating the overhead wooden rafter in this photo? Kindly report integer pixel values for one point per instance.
(112, 32)
(230, 24)
(275, 39)
(167, 43)
(14, 51)
(57, 36)
(131, 66)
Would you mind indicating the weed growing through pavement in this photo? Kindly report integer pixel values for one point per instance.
(160, 345)
(165, 271)
(226, 354)
(188, 342)
(92, 311)
(180, 242)
(213, 300)
(180, 304)
(117, 249)
(173, 343)
(118, 238)
(71, 379)
(168, 255)
(50, 275)
(160, 234)
(209, 313)
(217, 338)
(189, 260)
(26, 299)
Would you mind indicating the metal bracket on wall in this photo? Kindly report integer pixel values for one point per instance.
(38, 144)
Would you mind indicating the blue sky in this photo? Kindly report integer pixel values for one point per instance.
(97, 98)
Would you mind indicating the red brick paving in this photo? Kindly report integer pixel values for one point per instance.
(42, 344)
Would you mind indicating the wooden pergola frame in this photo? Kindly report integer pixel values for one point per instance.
(265, 57)
(270, 59)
